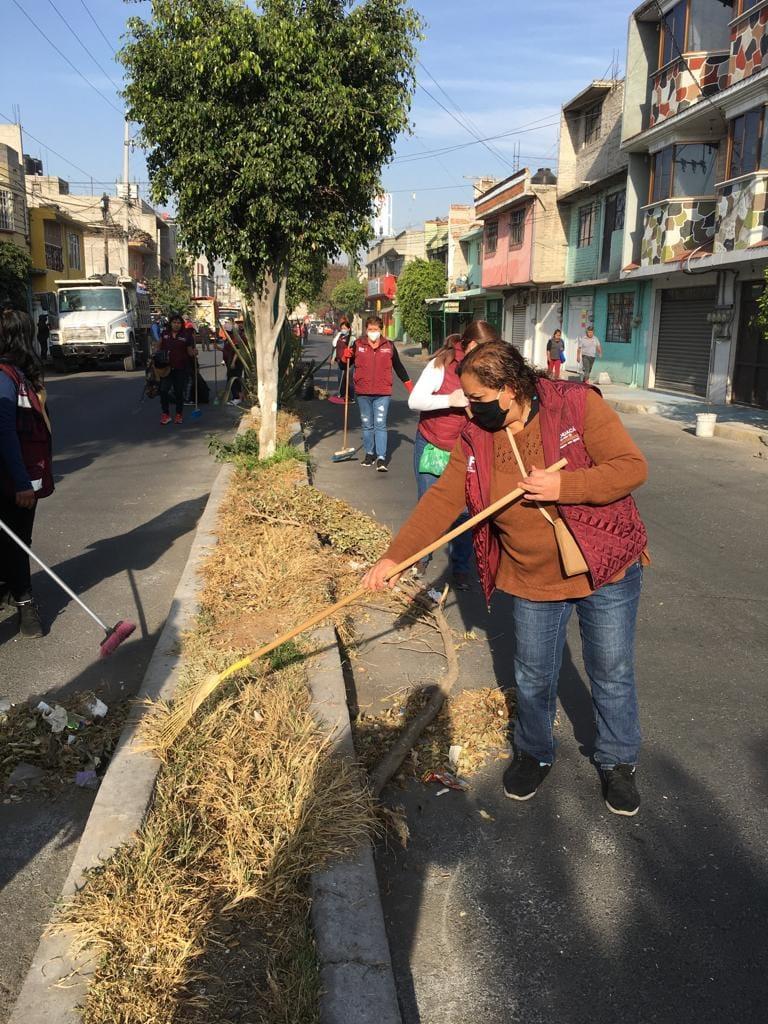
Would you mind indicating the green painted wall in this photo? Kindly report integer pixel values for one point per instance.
(624, 362)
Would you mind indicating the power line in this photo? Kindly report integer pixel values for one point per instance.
(77, 71)
(531, 126)
(468, 123)
(87, 10)
(458, 121)
(77, 167)
(80, 41)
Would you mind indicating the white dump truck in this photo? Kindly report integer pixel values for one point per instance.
(101, 319)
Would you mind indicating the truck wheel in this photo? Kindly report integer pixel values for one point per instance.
(129, 361)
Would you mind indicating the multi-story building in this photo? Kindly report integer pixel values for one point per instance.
(524, 243)
(58, 251)
(384, 263)
(592, 185)
(694, 130)
(14, 224)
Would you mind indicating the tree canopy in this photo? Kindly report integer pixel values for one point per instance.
(15, 265)
(349, 296)
(293, 109)
(172, 296)
(419, 280)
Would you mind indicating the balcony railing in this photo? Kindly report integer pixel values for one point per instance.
(684, 82)
(748, 53)
(675, 227)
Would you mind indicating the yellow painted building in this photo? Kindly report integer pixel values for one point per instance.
(57, 247)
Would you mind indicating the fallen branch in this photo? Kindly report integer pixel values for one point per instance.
(395, 756)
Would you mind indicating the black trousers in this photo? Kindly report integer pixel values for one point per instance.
(14, 563)
(176, 381)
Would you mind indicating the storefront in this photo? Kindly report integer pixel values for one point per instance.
(750, 368)
(684, 341)
(619, 315)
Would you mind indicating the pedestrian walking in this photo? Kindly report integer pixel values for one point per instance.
(43, 334)
(576, 543)
(176, 351)
(589, 349)
(555, 354)
(375, 358)
(229, 340)
(439, 398)
(341, 341)
(26, 473)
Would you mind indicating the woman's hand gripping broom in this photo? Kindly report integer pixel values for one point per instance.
(183, 711)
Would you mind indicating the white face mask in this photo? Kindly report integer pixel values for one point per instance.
(374, 335)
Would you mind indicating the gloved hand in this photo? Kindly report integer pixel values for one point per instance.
(347, 353)
(408, 385)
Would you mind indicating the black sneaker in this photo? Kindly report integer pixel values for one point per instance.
(524, 776)
(620, 790)
(29, 619)
(381, 466)
(369, 460)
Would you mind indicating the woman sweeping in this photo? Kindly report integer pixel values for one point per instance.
(375, 358)
(177, 343)
(575, 542)
(439, 397)
(26, 473)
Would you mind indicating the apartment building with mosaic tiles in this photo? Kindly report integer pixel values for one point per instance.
(695, 133)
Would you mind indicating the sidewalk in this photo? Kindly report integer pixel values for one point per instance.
(734, 422)
(555, 910)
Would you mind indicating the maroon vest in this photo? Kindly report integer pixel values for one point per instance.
(373, 367)
(442, 427)
(610, 537)
(34, 436)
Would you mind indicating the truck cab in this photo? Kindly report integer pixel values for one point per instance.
(100, 319)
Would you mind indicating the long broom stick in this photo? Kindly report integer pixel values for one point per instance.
(184, 710)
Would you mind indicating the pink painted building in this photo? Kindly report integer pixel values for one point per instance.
(524, 247)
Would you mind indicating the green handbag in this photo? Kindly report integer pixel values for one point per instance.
(433, 460)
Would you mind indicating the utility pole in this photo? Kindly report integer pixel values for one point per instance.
(126, 189)
(104, 204)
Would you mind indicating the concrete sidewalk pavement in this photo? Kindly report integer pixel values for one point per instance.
(555, 909)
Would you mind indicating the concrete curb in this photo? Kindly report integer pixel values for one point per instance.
(347, 916)
(124, 796)
(728, 431)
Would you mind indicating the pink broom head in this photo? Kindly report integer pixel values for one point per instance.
(115, 636)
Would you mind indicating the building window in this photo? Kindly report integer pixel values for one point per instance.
(6, 210)
(54, 254)
(551, 296)
(686, 171)
(491, 237)
(516, 228)
(586, 226)
(673, 33)
(621, 309)
(746, 143)
(592, 122)
(73, 249)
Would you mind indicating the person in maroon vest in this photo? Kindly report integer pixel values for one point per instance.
(177, 343)
(374, 358)
(26, 472)
(521, 418)
(438, 396)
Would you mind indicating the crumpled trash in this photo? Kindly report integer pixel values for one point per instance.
(87, 779)
(57, 716)
(96, 708)
(25, 774)
(454, 754)
(446, 779)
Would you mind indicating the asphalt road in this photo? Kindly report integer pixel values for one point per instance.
(118, 530)
(556, 910)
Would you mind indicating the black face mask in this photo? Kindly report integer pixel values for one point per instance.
(488, 415)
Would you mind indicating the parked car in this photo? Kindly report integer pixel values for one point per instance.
(327, 329)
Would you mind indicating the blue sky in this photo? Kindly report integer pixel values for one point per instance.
(507, 64)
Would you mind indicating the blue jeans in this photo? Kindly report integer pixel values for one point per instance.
(607, 621)
(460, 549)
(373, 414)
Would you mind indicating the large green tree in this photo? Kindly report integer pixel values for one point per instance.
(173, 295)
(294, 107)
(420, 280)
(349, 296)
(15, 265)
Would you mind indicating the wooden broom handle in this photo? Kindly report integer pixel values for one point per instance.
(411, 560)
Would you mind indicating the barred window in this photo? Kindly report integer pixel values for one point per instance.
(586, 226)
(516, 228)
(491, 237)
(6, 210)
(621, 309)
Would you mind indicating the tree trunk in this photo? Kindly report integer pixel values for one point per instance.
(268, 311)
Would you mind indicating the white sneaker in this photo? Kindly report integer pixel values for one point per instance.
(235, 401)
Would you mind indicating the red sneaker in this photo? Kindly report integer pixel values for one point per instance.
(177, 418)
(165, 419)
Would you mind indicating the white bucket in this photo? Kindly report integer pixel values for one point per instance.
(705, 424)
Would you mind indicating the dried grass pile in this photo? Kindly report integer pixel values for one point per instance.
(205, 919)
(475, 720)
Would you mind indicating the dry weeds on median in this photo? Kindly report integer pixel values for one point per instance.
(206, 917)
